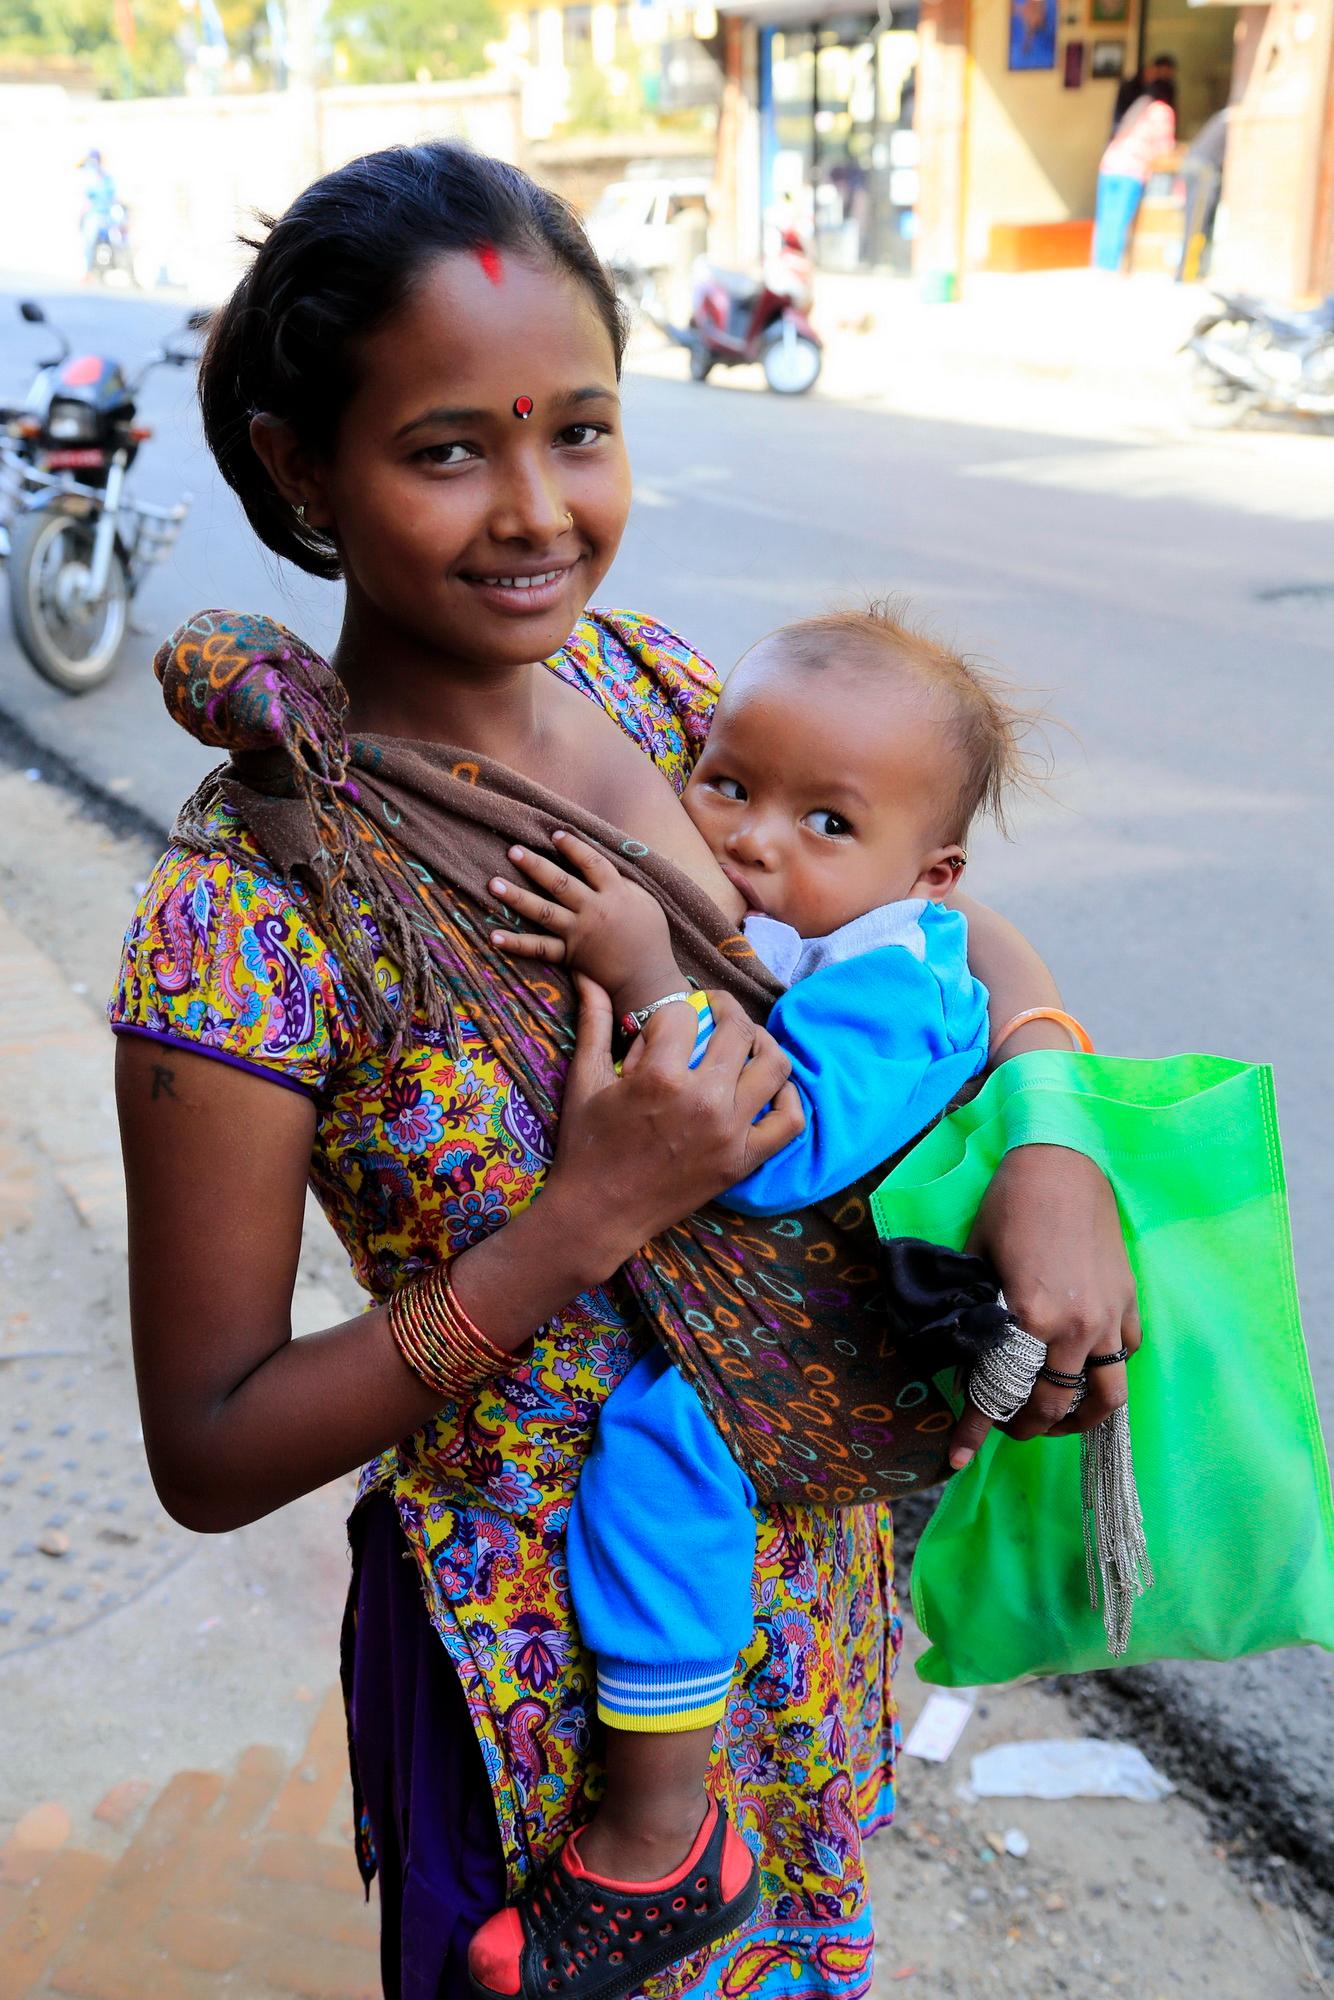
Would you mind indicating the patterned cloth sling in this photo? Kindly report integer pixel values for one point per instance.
(781, 1324)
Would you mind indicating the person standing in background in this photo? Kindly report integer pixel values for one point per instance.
(1202, 172)
(1163, 69)
(1147, 131)
(100, 201)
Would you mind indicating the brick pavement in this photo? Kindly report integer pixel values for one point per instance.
(241, 1885)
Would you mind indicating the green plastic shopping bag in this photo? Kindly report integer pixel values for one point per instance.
(1229, 1460)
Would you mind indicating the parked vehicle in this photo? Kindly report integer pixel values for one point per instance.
(735, 318)
(645, 231)
(1246, 355)
(77, 544)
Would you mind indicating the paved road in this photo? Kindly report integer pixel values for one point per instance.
(1173, 602)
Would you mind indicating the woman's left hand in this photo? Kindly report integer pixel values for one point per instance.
(1049, 1226)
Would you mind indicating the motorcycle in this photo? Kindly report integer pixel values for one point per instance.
(77, 545)
(1246, 355)
(737, 319)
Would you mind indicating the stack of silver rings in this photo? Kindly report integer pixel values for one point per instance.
(1115, 1552)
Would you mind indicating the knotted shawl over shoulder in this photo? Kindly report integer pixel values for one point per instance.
(782, 1323)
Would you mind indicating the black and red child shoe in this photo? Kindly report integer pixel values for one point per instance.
(577, 1936)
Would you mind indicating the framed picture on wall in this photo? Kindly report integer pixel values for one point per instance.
(1032, 34)
(1109, 60)
(1105, 12)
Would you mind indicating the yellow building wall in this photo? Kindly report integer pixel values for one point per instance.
(1033, 146)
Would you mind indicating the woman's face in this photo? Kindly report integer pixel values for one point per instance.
(463, 526)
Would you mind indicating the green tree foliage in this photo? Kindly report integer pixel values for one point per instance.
(395, 41)
(138, 48)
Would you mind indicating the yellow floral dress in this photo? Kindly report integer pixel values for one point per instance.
(427, 1155)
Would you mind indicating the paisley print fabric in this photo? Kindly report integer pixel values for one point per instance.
(435, 1149)
(783, 1325)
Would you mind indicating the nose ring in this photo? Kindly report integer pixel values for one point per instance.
(569, 520)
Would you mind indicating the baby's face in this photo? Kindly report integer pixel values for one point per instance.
(820, 793)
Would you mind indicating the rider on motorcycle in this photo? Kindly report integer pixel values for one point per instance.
(102, 210)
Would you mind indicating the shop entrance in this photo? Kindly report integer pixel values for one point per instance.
(839, 153)
(1202, 40)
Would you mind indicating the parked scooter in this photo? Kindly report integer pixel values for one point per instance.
(77, 544)
(735, 318)
(1246, 355)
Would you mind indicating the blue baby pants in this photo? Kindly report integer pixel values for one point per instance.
(661, 1548)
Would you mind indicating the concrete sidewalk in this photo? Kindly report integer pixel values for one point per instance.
(1069, 351)
(175, 1814)
(174, 1806)
(1054, 325)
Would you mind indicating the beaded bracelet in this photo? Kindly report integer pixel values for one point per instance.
(439, 1341)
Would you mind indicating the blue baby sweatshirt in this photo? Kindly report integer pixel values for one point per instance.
(884, 1024)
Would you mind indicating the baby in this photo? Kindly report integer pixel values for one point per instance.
(847, 758)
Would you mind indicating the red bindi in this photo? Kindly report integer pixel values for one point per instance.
(489, 259)
(523, 407)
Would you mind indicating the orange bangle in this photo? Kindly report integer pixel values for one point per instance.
(438, 1340)
(1077, 1032)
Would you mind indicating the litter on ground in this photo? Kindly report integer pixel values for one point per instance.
(1066, 1768)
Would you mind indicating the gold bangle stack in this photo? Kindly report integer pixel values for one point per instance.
(438, 1340)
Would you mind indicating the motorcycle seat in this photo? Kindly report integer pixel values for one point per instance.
(738, 285)
(1310, 320)
(1299, 323)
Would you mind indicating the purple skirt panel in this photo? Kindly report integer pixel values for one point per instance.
(422, 1792)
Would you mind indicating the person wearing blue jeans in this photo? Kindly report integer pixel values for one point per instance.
(1145, 134)
(1119, 197)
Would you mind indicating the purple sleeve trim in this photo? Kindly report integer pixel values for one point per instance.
(216, 1055)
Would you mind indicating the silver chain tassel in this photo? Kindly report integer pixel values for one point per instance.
(1115, 1551)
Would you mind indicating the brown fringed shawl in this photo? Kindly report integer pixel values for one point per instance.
(781, 1324)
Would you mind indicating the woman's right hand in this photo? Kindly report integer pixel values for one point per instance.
(638, 1151)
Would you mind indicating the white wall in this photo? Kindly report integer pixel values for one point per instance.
(193, 170)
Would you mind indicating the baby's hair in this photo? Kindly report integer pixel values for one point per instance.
(990, 728)
(335, 266)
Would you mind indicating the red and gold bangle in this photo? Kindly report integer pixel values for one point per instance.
(438, 1340)
(1078, 1034)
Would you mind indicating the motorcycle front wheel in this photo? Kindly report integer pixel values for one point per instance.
(792, 363)
(1211, 401)
(72, 643)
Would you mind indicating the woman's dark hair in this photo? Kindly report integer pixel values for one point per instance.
(341, 260)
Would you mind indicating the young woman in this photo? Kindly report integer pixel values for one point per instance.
(415, 387)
